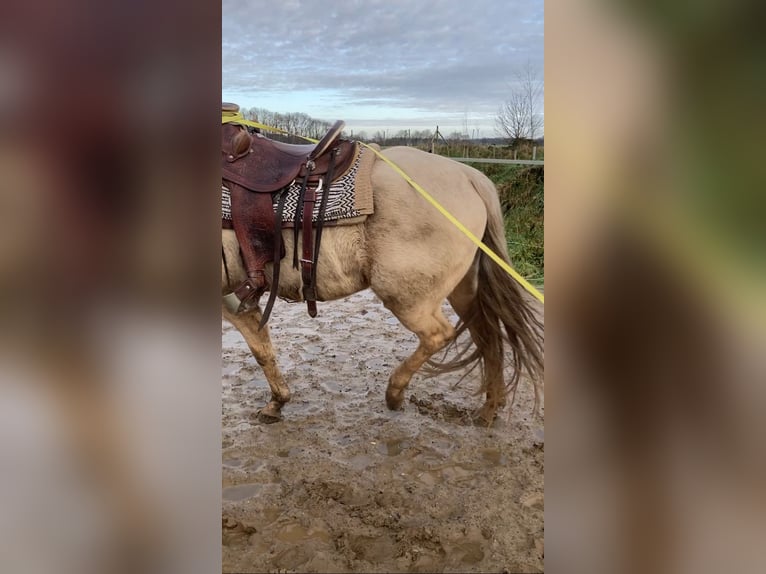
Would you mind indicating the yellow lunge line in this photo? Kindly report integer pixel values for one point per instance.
(239, 118)
(494, 256)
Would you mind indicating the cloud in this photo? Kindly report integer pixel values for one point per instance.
(438, 57)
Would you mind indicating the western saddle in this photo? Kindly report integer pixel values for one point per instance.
(258, 171)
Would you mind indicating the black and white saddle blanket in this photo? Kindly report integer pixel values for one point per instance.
(350, 196)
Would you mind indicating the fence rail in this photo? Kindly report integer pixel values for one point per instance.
(493, 160)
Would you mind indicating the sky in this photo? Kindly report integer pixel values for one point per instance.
(381, 65)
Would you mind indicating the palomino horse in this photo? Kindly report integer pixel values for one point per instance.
(413, 259)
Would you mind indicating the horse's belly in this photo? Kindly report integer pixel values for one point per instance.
(342, 269)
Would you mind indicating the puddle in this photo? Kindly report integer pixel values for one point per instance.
(372, 549)
(269, 515)
(360, 462)
(288, 453)
(376, 364)
(428, 459)
(231, 370)
(295, 532)
(394, 447)
(457, 472)
(494, 457)
(469, 552)
(344, 440)
(255, 467)
(435, 473)
(241, 492)
(230, 337)
(442, 446)
(429, 478)
(330, 386)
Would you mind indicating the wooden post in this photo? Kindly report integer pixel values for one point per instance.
(534, 153)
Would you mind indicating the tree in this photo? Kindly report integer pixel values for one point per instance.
(519, 118)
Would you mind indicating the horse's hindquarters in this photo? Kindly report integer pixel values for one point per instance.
(417, 252)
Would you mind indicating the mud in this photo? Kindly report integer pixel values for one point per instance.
(342, 484)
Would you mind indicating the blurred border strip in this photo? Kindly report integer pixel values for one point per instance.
(109, 285)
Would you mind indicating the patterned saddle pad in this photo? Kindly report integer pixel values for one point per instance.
(350, 196)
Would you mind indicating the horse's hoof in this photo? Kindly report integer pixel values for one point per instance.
(270, 414)
(394, 399)
(485, 416)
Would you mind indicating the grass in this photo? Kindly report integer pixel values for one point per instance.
(522, 196)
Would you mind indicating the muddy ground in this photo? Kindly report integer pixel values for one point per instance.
(342, 484)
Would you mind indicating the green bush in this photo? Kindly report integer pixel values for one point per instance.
(522, 197)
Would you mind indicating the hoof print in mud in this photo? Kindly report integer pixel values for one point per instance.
(235, 532)
(438, 409)
(232, 524)
(268, 418)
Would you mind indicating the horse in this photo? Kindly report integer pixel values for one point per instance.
(413, 258)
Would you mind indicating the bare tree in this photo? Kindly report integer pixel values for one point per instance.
(519, 117)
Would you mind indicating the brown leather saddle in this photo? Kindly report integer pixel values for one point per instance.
(258, 170)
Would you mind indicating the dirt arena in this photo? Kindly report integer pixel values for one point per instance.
(342, 484)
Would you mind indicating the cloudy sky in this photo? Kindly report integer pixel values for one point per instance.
(393, 64)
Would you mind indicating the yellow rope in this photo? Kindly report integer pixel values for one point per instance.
(236, 117)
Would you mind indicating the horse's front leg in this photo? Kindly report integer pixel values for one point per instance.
(260, 344)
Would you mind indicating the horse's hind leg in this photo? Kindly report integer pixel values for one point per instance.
(462, 300)
(434, 332)
(260, 344)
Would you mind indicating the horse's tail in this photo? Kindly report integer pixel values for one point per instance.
(500, 314)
